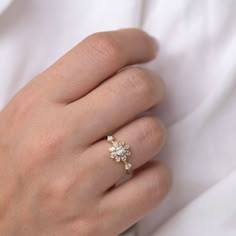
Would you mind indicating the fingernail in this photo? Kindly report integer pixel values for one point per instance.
(155, 44)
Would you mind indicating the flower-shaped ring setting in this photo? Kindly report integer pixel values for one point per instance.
(120, 151)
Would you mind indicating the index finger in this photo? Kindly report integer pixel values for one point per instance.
(94, 60)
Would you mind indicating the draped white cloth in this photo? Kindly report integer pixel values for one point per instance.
(197, 60)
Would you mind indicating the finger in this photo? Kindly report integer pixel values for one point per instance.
(93, 60)
(146, 136)
(115, 102)
(132, 200)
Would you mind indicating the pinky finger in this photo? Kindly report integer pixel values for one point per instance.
(132, 200)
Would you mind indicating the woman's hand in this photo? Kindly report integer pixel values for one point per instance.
(56, 174)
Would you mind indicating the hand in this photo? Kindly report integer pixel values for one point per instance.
(56, 174)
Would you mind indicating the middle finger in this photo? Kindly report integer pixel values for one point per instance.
(115, 102)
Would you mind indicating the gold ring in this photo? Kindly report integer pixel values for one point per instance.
(119, 151)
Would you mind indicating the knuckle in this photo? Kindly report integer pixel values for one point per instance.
(52, 199)
(52, 141)
(47, 143)
(153, 131)
(93, 224)
(22, 107)
(56, 190)
(105, 45)
(39, 149)
(138, 80)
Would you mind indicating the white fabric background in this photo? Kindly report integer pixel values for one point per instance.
(196, 60)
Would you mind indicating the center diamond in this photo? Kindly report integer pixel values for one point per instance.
(120, 151)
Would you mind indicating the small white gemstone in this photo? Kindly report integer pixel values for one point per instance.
(117, 159)
(128, 153)
(121, 143)
(126, 146)
(113, 154)
(127, 166)
(115, 144)
(110, 138)
(112, 149)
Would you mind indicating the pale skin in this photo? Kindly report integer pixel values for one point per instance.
(56, 174)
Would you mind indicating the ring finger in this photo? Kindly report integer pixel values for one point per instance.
(145, 136)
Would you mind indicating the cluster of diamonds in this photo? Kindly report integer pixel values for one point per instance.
(119, 151)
